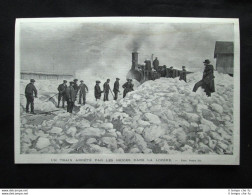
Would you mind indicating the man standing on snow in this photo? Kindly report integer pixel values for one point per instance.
(97, 90)
(182, 75)
(62, 93)
(131, 85)
(116, 88)
(83, 90)
(29, 90)
(170, 72)
(207, 82)
(106, 89)
(70, 97)
(76, 87)
(155, 64)
(126, 87)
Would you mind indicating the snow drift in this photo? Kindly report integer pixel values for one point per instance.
(161, 116)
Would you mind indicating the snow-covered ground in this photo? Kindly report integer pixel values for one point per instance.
(161, 116)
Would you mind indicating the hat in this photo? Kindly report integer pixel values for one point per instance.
(117, 79)
(171, 67)
(108, 79)
(75, 79)
(32, 80)
(71, 82)
(128, 79)
(98, 81)
(64, 81)
(81, 81)
(207, 61)
(183, 66)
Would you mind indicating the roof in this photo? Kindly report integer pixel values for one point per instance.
(46, 73)
(223, 47)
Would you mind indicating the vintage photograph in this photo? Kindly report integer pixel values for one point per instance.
(127, 90)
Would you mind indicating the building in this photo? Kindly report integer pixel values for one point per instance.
(45, 76)
(224, 54)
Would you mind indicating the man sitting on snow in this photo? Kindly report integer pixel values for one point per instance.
(207, 82)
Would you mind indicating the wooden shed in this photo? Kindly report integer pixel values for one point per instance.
(224, 54)
(44, 76)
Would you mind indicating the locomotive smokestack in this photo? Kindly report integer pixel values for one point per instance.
(134, 60)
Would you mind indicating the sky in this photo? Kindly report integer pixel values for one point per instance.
(105, 48)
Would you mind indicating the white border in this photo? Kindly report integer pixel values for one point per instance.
(134, 158)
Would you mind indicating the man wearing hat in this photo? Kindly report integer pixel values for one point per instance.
(170, 72)
(106, 89)
(97, 90)
(29, 90)
(126, 87)
(207, 82)
(155, 63)
(62, 93)
(116, 88)
(83, 90)
(70, 97)
(75, 86)
(182, 75)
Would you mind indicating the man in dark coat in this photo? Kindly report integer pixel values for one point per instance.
(70, 97)
(126, 87)
(106, 89)
(182, 75)
(62, 93)
(29, 90)
(116, 88)
(155, 64)
(75, 86)
(83, 91)
(207, 82)
(97, 90)
(131, 85)
(170, 72)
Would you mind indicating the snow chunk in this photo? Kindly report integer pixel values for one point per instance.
(152, 118)
(56, 130)
(218, 108)
(153, 132)
(106, 126)
(42, 142)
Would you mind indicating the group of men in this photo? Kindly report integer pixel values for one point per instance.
(69, 93)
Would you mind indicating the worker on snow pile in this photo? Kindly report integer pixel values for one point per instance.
(116, 88)
(170, 72)
(182, 75)
(106, 89)
(207, 82)
(126, 86)
(155, 64)
(83, 90)
(29, 90)
(70, 97)
(131, 85)
(62, 93)
(76, 87)
(97, 90)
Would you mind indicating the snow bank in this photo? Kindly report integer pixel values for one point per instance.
(161, 116)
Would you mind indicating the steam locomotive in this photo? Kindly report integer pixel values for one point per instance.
(146, 72)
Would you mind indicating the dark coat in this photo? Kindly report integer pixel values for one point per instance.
(62, 88)
(30, 89)
(208, 78)
(182, 75)
(76, 87)
(116, 86)
(106, 87)
(70, 94)
(155, 64)
(97, 91)
(83, 88)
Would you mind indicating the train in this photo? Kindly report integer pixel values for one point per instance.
(146, 72)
